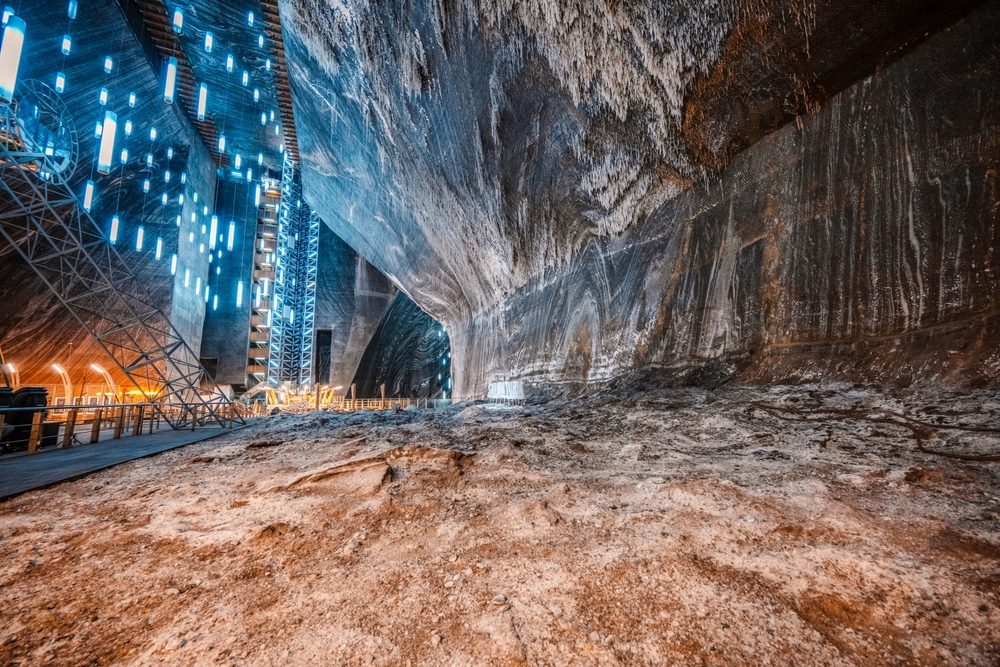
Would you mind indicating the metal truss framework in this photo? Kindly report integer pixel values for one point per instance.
(42, 222)
(294, 308)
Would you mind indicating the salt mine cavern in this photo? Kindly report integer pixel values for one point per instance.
(500, 332)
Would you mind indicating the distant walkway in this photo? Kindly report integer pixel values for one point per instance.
(25, 472)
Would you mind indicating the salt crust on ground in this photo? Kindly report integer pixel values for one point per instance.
(690, 526)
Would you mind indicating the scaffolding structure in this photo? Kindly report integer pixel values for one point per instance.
(294, 305)
(42, 222)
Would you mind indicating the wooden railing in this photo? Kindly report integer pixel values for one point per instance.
(66, 425)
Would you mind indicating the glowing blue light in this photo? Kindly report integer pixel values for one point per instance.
(239, 293)
(170, 152)
(128, 128)
(256, 196)
(202, 101)
(71, 10)
(139, 234)
(256, 94)
(206, 292)
(107, 149)
(170, 82)
(213, 232)
(232, 235)
(60, 82)
(187, 277)
(260, 40)
(263, 118)
(124, 155)
(98, 130)
(222, 143)
(250, 19)
(209, 42)
(113, 236)
(246, 78)
(149, 159)
(260, 158)
(215, 302)
(131, 100)
(197, 285)
(152, 134)
(8, 11)
(102, 97)
(145, 185)
(180, 199)
(164, 199)
(178, 21)
(159, 247)
(184, 177)
(238, 161)
(166, 176)
(173, 265)
(230, 63)
(109, 64)
(267, 64)
(88, 196)
(67, 44)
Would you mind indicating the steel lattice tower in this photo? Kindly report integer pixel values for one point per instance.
(294, 307)
(41, 220)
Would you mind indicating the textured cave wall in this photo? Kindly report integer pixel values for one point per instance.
(864, 245)
(580, 188)
(464, 148)
(409, 353)
(226, 335)
(35, 330)
(351, 298)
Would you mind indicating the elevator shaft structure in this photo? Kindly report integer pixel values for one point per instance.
(294, 306)
(41, 221)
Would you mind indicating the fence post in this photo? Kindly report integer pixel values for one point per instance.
(354, 396)
(95, 427)
(381, 405)
(70, 427)
(153, 415)
(119, 423)
(194, 418)
(137, 425)
(36, 432)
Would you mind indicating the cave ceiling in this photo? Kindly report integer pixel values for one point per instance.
(465, 148)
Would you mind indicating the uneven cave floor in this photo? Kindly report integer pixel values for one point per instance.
(782, 525)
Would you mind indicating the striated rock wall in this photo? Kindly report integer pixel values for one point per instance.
(409, 353)
(351, 298)
(863, 244)
(577, 189)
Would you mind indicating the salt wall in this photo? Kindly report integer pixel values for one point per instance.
(751, 190)
(35, 329)
(408, 353)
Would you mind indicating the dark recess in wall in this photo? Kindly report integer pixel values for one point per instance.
(409, 353)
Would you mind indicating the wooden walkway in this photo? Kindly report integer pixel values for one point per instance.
(26, 472)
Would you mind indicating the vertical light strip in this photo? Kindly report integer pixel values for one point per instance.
(202, 101)
(213, 231)
(88, 196)
(239, 294)
(232, 235)
(170, 83)
(10, 56)
(107, 150)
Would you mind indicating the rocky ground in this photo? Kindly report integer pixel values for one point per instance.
(807, 525)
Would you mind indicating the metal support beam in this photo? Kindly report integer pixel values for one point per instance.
(41, 221)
